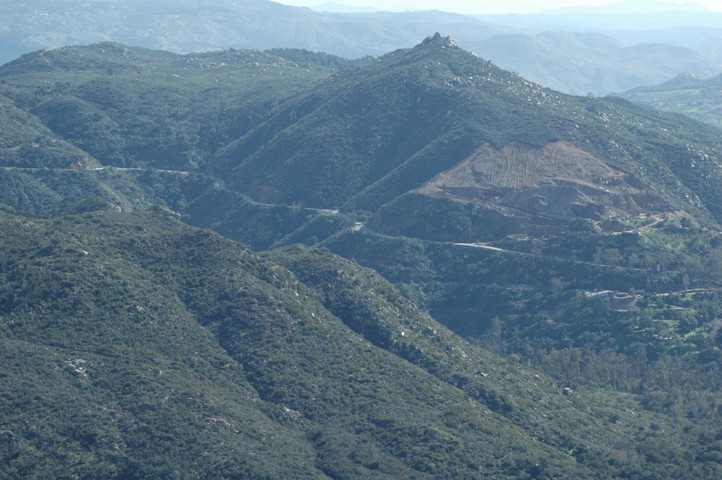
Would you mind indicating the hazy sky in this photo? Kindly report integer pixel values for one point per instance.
(482, 6)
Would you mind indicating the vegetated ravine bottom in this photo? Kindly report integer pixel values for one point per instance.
(451, 272)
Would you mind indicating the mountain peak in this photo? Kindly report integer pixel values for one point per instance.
(438, 41)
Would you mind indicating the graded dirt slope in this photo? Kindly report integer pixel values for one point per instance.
(557, 179)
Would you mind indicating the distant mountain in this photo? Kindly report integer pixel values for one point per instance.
(591, 63)
(367, 136)
(565, 60)
(637, 6)
(687, 94)
(631, 16)
(185, 26)
(688, 28)
(341, 8)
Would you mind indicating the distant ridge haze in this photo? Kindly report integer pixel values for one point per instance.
(341, 8)
(513, 6)
(640, 48)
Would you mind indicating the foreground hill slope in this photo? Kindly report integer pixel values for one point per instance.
(135, 346)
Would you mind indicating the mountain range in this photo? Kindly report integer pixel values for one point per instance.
(595, 51)
(282, 263)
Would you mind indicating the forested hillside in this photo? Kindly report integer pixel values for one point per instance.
(135, 346)
(264, 264)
